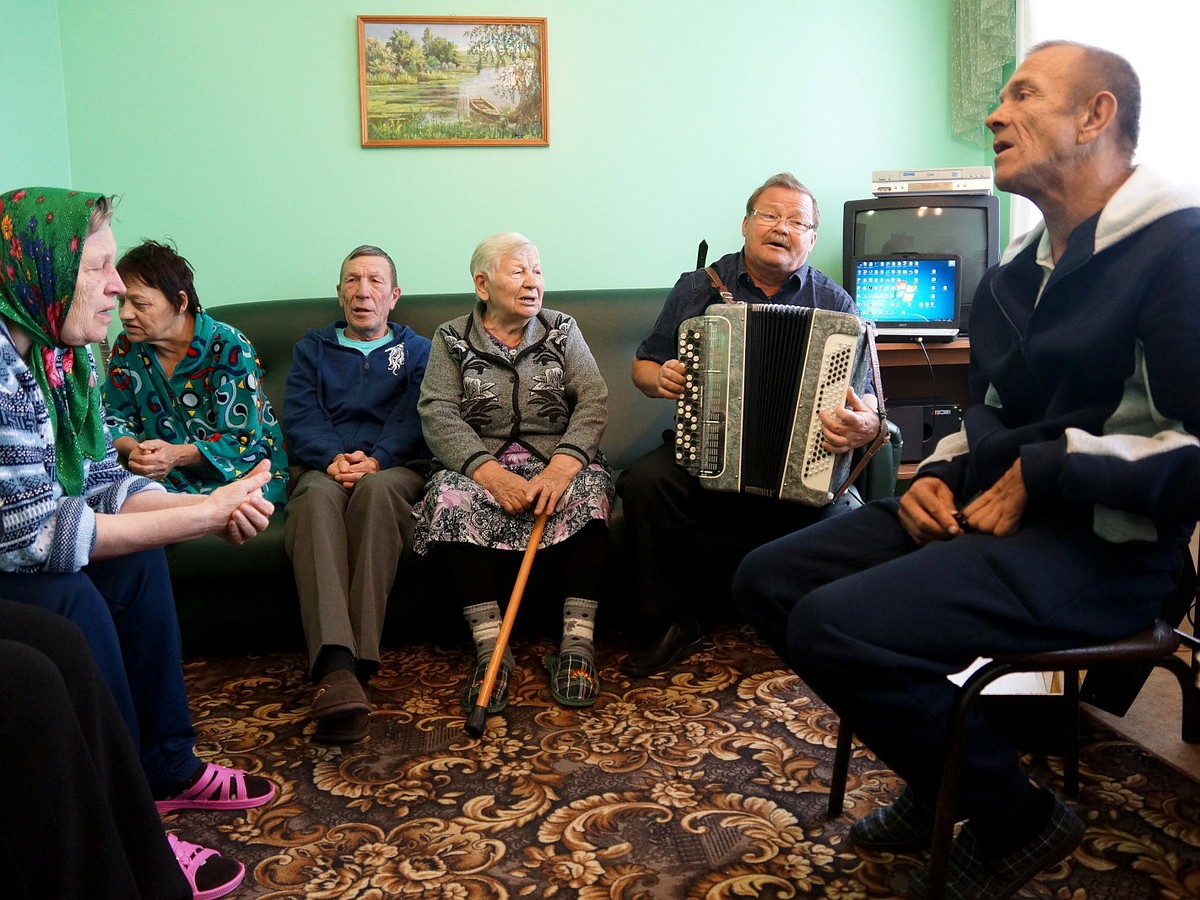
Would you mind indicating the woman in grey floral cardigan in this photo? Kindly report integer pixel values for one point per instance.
(513, 407)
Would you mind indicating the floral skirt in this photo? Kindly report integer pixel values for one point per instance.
(455, 509)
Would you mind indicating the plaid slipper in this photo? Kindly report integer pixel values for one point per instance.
(573, 678)
(902, 827)
(973, 876)
(499, 698)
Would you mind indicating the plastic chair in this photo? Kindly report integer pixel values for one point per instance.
(1156, 646)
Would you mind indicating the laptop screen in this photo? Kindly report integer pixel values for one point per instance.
(909, 296)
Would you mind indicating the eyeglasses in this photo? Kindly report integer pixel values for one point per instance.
(770, 220)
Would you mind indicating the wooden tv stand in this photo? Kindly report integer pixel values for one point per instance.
(913, 372)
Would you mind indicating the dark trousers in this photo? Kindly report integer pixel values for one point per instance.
(874, 625)
(572, 568)
(78, 819)
(667, 515)
(126, 610)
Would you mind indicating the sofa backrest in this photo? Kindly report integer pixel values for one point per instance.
(613, 323)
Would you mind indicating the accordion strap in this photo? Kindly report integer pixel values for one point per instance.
(880, 439)
(718, 285)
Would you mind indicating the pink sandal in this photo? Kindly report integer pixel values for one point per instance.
(193, 858)
(220, 787)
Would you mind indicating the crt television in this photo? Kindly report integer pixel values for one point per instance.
(962, 225)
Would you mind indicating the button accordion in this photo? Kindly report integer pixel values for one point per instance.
(756, 376)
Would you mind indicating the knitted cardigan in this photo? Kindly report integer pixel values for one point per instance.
(549, 396)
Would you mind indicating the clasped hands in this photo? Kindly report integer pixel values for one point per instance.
(928, 511)
(347, 468)
(152, 459)
(540, 494)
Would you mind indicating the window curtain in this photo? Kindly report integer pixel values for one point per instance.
(982, 42)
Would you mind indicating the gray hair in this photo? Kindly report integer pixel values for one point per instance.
(1104, 70)
(368, 250)
(491, 250)
(789, 181)
(102, 213)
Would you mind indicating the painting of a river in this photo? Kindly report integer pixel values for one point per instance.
(452, 81)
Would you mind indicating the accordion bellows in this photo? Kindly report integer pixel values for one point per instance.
(757, 374)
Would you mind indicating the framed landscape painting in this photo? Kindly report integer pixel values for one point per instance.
(452, 81)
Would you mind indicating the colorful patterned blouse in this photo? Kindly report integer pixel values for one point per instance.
(213, 399)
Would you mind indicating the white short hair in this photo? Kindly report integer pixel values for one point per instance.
(492, 249)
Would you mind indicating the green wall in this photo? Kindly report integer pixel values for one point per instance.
(233, 128)
(33, 138)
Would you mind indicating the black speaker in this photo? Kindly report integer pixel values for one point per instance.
(922, 424)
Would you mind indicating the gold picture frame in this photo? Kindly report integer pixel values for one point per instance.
(452, 81)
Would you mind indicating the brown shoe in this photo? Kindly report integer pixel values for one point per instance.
(339, 694)
(349, 728)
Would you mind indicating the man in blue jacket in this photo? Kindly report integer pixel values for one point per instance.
(350, 420)
(1057, 517)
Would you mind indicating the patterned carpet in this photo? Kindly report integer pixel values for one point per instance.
(711, 783)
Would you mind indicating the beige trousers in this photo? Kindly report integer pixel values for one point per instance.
(345, 547)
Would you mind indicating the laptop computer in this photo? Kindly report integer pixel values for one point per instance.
(911, 297)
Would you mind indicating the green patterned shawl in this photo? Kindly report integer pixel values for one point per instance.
(42, 231)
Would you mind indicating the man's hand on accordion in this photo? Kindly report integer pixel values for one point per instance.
(671, 380)
(659, 380)
(852, 426)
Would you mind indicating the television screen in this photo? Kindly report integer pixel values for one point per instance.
(962, 225)
(908, 297)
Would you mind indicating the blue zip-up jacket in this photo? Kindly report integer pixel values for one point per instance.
(1096, 385)
(338, 400)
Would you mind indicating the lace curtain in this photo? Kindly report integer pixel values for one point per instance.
(982, 42)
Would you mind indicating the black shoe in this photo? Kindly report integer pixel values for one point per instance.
(677, 642)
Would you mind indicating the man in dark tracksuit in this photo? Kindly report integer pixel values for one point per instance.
(1057, 517)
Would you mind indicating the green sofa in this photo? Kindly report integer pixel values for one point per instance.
(234, 599)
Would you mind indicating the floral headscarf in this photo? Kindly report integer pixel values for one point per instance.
(42, 231)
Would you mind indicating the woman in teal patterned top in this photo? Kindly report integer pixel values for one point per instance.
(184, 398)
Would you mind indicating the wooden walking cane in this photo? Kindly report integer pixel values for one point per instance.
(478, 717)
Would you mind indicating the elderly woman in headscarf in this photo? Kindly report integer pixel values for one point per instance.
(79, 535)
(183, 396)
(513, 407)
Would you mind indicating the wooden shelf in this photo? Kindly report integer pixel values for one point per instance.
(914, 373)
(949, 353)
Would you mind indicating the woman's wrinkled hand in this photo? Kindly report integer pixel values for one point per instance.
(507, 488)
(151, 459)
(547, 488)
(239, 508)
